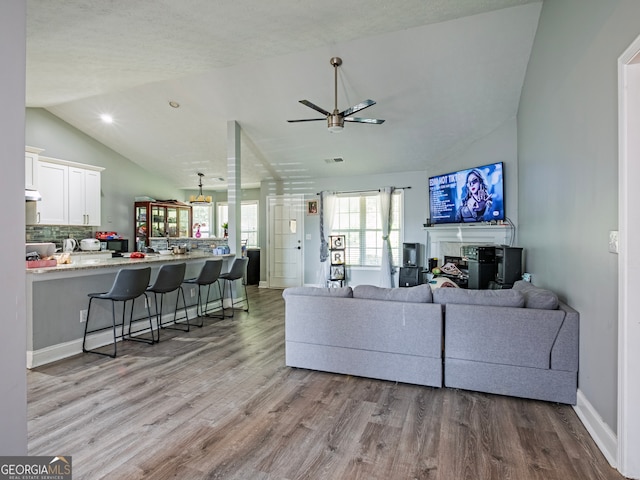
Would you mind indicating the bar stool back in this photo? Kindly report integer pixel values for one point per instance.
(169, 279)
(208, 276)
(238, 271)
(129, 284)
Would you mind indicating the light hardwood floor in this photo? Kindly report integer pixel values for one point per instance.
(218, 402)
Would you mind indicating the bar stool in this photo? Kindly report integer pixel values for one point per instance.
(169, 279)
(208, 275)
(238, 271)
(129, 284)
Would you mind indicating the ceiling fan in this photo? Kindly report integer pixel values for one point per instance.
(336, 119)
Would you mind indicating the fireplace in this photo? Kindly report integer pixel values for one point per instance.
(449, 239)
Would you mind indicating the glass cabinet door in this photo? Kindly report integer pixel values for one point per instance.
(157, 221)
(172, 222)
(142, 232)
(184, 225)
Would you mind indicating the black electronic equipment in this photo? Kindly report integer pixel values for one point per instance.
(479, 253)
(410, 254)
(509, 264)
(480, 274)
(409, 276)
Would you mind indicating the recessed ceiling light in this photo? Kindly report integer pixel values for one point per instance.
(106, 118)
(173, 104)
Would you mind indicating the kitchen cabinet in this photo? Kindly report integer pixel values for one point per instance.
(31, 155)
(84, 196)
(53, 209)
(171, 219)
(70, 193)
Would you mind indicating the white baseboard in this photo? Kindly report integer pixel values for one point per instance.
(602, 435)
(43, 356)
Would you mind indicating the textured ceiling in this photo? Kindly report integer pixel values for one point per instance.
(444, 73)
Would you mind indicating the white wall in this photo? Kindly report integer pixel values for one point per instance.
(13, 387)
(567, 147)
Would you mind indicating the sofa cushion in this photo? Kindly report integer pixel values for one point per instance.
(462, 296)
(536, 297)
(345, 292)
(417, 294)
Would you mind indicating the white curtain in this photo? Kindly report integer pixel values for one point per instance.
(327, 209)
(386, 269)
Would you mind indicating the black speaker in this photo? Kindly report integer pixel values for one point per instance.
(410, 254)
(509, 262)
(480, 274)
(409, 276)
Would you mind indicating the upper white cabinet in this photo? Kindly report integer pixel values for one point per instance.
(84, 196)
(31, 155)
(70, 193)
(53, 209)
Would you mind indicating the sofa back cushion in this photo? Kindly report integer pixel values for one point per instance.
(417, 294)
(536, 297)
(344, 292)
(494, 298)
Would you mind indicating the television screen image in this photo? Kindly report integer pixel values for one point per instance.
(471, 195)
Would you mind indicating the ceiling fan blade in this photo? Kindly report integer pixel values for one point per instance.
(357, 108)
(307, 120)
(315, 107)
(377, 121)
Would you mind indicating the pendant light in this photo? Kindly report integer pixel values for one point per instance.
(200, 199)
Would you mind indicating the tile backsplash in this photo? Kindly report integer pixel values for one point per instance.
(57, 233)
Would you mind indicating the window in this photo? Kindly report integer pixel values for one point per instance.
(202, 216)
(248, 221)
(357, 217)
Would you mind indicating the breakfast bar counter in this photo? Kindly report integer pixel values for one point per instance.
(57, 300)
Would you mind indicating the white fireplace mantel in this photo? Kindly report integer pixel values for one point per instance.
(448, 239)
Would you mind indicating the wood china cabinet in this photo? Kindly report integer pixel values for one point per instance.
(169, 219)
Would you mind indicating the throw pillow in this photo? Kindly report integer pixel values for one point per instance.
(536, 297)
(494, 298)
(344, 292)
(417, 294)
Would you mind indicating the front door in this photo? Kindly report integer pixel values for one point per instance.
(285, 240)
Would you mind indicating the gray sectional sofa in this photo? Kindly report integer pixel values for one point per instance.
(521, 342)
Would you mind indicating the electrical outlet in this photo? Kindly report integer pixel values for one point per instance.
(613, 241)
(83, 316)
(193, 292)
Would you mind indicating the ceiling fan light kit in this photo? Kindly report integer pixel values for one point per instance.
(336, 119)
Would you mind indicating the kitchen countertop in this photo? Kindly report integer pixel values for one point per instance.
(125, 261)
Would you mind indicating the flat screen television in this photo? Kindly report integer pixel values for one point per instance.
(467, 196)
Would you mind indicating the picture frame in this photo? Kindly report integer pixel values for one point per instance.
(337, 242)
(312, 207)
(337, 257)
(337, 272)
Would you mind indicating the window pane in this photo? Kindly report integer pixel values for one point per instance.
(357, 217)
(248, 221)
(202, 215)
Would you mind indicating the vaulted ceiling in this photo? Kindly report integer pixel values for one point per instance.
(444, 73)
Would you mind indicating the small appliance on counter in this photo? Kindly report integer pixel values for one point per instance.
(117, 245)
(89, 244)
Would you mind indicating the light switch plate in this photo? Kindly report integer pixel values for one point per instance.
(613, 241)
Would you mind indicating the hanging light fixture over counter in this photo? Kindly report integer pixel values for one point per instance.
(200, 199)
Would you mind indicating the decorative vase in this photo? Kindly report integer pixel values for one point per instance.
(198, 234)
